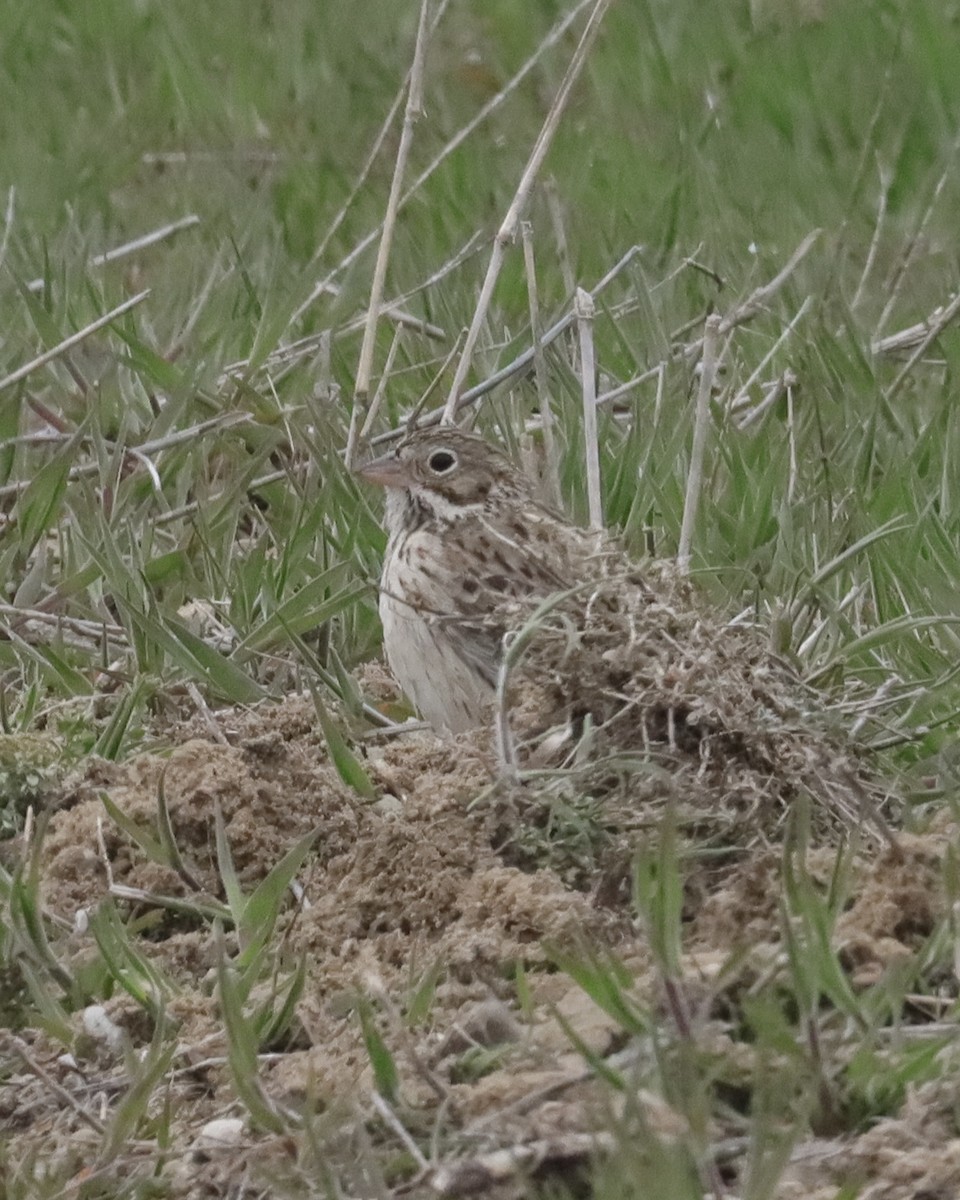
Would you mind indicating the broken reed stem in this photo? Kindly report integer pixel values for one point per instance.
(508, 229)
(708, 370)
(937, 327)
(73, 340)
(551, 471)
(411, 115)
(586, 311)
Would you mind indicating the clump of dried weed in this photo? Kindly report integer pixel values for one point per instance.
(632, 689)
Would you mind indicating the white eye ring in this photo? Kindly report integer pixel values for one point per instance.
(441, 462)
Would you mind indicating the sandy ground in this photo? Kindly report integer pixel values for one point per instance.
(437, 878)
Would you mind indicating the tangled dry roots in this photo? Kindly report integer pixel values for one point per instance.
(635, 686)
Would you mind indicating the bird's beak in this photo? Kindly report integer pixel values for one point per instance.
(387, 471)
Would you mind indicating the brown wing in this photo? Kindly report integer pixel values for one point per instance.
(533, 556)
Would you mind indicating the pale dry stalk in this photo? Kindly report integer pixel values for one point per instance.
(414, 109)
(949, 314)
(708, 371)
(508, 229)
(551, 473)
(742, 399)
(520, 363)
(73, 340)
(895, 280)
(586, 311)
(554, 36)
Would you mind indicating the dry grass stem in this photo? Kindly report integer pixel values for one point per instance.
(404, 1037)
(8, 223)
(128, 248)
(261, 481)
(708, 371)
(182, 436)
(209, 721)
(551, 469)
(283, 358)
(73, 340)
(181, 340)
(153, 446)
(470, 247)
(293, 352)
(895, 280)
(390, 1118)
(628, 386)
(755, 302)
(886, 178)
(19, 1047)
(586, 311)
(90, 629)
(742, 399)
(554, 36)
(412, 113)
(773, 391)
(487, 1173)
(508, 228)
(789, 382)
(506, 751)
(358, 185)
(936, 325)
(413, 417)
(391, 310)
(560, 235)
(180, 158)
(516, 365)
(289, 355)
(377, 401)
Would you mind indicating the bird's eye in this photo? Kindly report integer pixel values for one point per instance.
(441, 461)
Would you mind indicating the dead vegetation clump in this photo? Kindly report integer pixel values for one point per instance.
(645, 697)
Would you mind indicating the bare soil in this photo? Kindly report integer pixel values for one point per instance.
(441, 874)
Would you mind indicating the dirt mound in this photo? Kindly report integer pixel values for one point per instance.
(428, 922)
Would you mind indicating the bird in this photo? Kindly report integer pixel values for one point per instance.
(622, 662)
(465, 534)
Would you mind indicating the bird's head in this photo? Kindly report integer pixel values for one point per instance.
(448, 471)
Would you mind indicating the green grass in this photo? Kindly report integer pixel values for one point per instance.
(713, 137)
